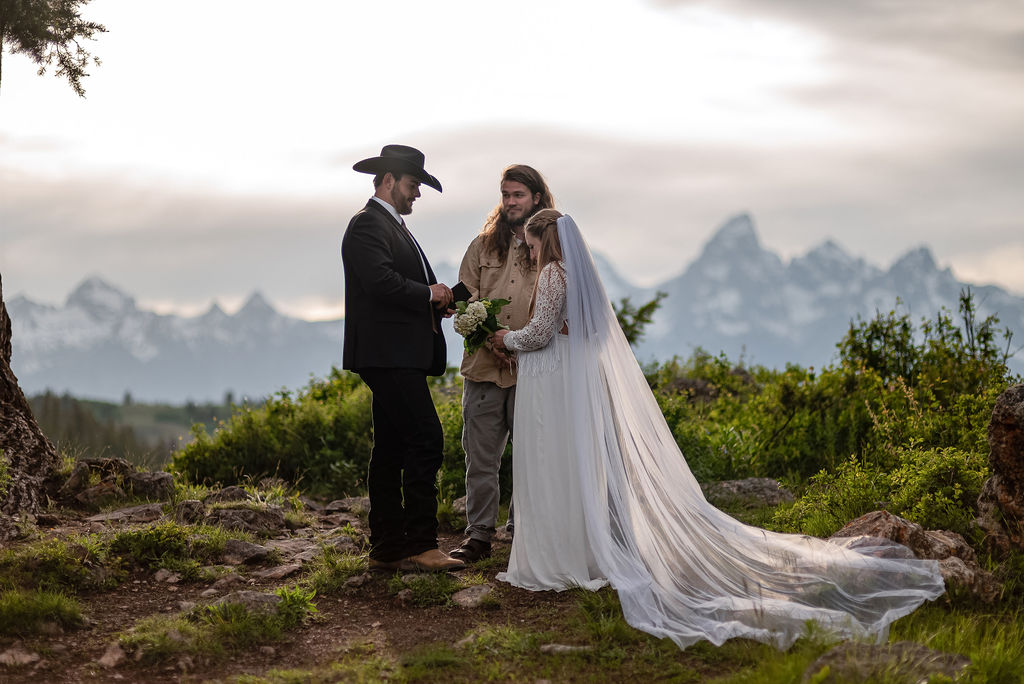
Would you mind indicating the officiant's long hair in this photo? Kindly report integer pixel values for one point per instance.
(497, 231)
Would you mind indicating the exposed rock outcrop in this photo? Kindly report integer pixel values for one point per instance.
(1001, 504)
(957, 560)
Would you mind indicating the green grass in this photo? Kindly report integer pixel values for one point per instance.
(331, 569)
(214, 630)
(95, 562)
(994, 641)
(75, 563)
(358, 664)
(171, 545)
(27, 612)
(433, 589)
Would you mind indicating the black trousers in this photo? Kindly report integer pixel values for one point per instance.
(407, 453)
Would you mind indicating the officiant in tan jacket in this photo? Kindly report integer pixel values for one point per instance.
(496, 265)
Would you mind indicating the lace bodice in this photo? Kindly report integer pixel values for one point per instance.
(548, 313)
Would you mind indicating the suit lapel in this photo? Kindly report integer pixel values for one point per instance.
(374, 205)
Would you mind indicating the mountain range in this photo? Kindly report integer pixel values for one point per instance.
(736, 297)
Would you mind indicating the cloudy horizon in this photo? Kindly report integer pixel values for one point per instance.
(204, 175)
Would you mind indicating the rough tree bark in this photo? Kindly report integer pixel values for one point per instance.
(29, 457)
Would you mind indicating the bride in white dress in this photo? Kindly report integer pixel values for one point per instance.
(603, 495)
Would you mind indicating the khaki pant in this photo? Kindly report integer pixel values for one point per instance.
(487, 413)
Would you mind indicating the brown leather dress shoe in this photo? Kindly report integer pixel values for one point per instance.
(387, 566)
(433, 560)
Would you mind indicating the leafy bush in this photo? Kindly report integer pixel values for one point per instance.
(938, 488)
(833, 499)
(321, 437)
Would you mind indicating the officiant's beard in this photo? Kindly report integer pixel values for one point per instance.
(513, 224)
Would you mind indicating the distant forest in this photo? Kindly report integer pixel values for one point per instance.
(143, 434)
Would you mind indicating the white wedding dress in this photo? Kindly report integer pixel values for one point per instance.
(603, 495)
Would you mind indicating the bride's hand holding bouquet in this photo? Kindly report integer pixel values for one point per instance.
(478, 321)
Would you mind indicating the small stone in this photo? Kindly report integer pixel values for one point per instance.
(472, 597)
(404, 597)
(279, 572)
(465, 641)
(165, 575)
(267, 650)
(253, 601)
(135, 514)
(237, 551)
(232, 493)
(113, 656)
(186, 606)
(561, 649)
(185, 663)
(357, 580)
(15, 655)
(47, 520)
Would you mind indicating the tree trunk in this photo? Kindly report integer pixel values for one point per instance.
(27, 455)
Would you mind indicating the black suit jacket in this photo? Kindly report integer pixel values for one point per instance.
(389, 319)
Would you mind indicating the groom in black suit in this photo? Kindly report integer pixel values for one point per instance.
(393, 340)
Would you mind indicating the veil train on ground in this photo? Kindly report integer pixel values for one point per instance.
(682, 568)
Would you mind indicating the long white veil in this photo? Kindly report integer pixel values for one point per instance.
(682, 568)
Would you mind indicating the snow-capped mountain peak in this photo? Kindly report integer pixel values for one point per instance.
(99, 298)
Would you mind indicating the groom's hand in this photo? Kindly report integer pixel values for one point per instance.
(440, 295)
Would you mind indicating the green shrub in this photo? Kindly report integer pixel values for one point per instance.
(938, 488)
(833, 499)
(321, 437)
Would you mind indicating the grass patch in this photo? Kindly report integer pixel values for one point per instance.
(433, 589)
(331, 569)
(216, 629)
(181, 548)
(993, 641)
(360, 664)
(24, 613)
(76, 563)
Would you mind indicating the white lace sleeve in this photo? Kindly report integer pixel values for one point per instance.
(548, 312)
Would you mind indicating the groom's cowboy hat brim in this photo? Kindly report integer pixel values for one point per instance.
(400, 158)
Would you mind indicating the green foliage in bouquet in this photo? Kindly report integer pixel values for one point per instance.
(476, 321)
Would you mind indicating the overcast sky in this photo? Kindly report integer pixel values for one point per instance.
(212, 155)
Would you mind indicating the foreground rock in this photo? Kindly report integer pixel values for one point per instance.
(957, 560)
(1001, 504)
(260, 521)
(903, 661)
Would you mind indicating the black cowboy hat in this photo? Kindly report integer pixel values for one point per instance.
(401, 158)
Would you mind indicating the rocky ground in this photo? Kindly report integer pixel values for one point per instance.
(367, 615)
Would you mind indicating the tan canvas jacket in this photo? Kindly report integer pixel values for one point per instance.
(488, 277)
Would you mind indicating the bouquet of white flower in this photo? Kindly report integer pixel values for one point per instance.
(477, 321)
